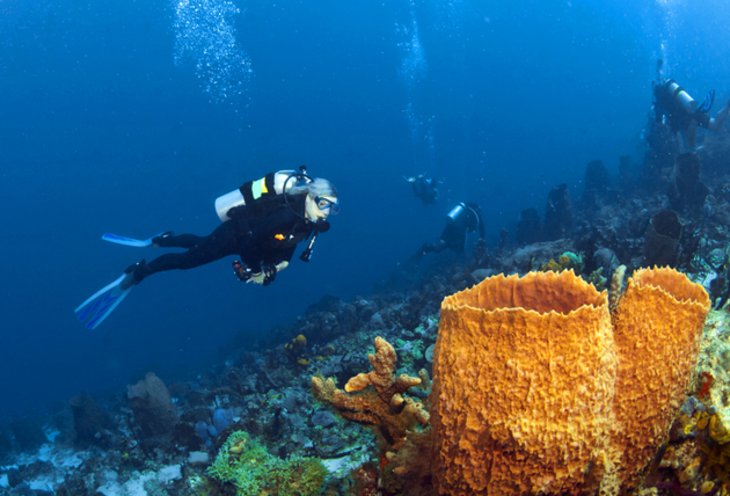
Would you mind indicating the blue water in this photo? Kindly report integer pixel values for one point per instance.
(132, 117)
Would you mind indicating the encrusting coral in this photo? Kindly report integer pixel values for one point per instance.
(536, 393)
(382, 405)
(698, 455)
(252, 470)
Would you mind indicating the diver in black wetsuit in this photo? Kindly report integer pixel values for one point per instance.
(424, 187)
(263, 221)
(264, 231)
(462, 219)
(676, 108)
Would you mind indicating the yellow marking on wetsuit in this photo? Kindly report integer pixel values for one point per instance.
(279, 237)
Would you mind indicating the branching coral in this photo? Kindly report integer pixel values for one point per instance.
(376, 398)
(379, 399)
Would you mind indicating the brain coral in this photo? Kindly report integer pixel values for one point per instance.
(534, 392)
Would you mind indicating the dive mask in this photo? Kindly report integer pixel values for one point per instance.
(327, 204)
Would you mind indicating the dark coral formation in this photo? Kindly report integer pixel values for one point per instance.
(662, 239)
(558, 213)
(529, 228)
(596, 184)
(90, 421)
(686, 192)
(152, 405)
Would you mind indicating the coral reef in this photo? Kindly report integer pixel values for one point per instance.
(697, 457)
(267, 394)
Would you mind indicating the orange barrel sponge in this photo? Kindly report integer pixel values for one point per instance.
(523, 383)
(657, 328)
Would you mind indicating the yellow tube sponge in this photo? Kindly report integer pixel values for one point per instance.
(524, 372)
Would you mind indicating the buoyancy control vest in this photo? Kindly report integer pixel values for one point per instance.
(274, 185)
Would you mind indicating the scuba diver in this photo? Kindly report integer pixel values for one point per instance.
(675, 107)
(462, 219)
(262, 222)
(424, 187)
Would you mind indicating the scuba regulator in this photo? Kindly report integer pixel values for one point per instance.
(320, 226)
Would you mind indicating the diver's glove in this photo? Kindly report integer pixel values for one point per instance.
(265, 277)
(269, 271)
(242, 272)
(267, 274)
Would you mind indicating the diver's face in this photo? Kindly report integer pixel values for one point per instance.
(319, 208)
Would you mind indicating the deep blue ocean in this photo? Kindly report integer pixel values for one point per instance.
(133, 116)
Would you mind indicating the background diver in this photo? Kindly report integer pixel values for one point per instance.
(675, 107)
(464, 218)
(425, 188)
(262, 222)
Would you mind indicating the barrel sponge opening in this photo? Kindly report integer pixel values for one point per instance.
(542, 292)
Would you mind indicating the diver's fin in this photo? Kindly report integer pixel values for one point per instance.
(98, 306)
(124, 240)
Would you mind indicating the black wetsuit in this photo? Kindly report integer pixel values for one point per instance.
(425, 189)
(667, 105)
(262, 236)
(453, 237)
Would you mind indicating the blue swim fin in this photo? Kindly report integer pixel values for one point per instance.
(126, 241)
(98, 306)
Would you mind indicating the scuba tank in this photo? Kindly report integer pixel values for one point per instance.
(681, 96)
(271, 185)
(456, 212)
